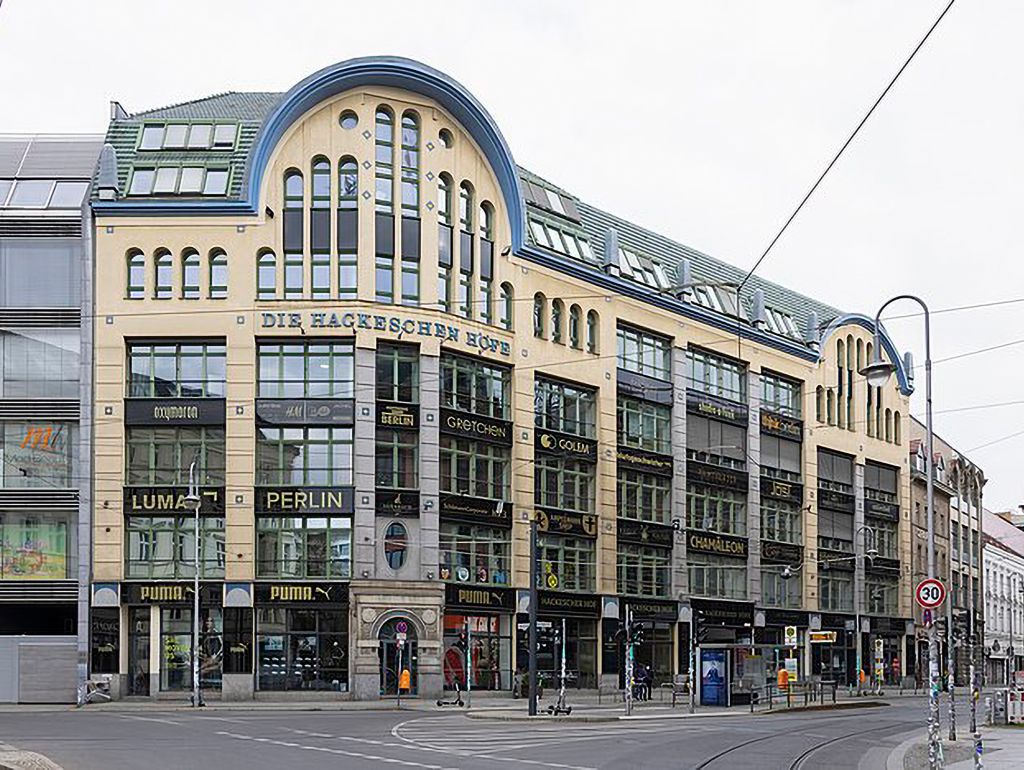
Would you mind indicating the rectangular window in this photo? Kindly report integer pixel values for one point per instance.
(780, 395)
(472, 386)
(385, 257)
(717, 443)
(162, 456)
(473, 553)
(164, 547)
(781, 521)
(717, 576)
(398, 368)
(886, 538)
(836, 591)
(39, 454)
(199, 136)
(293, 275)
(302, 547)
(644, 496)
(475, 468)
(466, 260)
(570, 561)
(565, 408)
(780, 458)
(410, 261)
(40, 272)
(711, 509)
(835, 530)
(176, 370)
(835, 472)
(644, 353)
(881, 483)
(37, 545)
(644, 425)
(398, 459)
(779, 591)
(317, 457)
(39, 363)
(716, 376)
(560, 482)
(305, 370)
(644, 570)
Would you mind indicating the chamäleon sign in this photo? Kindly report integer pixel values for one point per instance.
(565, 444)
(395, 325)
(164, 500)
(710, 542)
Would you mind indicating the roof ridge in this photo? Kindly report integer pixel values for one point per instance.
(210, 97)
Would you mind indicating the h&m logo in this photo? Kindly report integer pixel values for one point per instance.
(45, 437)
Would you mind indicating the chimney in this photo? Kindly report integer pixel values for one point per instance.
(811, 335)
(684, 280)
(117, 112)
(610, 263)
(106, 180)
(758, 316)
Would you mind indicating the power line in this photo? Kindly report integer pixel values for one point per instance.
(846, 143)
(997, 441)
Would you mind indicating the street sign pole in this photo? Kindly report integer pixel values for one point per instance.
(469, 664)
(532, 708)
(398, 675)
(629, 661)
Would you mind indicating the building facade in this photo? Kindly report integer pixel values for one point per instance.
(1003, 558)
(386, 348)
(45, 341)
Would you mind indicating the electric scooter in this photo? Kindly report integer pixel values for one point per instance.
(456, 698)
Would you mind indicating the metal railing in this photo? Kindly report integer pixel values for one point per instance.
(795, 695)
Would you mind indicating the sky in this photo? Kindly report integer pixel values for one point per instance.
(704, 121)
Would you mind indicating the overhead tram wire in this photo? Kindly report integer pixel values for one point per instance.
(835, 158)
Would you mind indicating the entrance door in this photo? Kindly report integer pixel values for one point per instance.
(714, 678)
(397, 654)
(138, 650)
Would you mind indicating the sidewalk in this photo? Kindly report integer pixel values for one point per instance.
(1003, 749)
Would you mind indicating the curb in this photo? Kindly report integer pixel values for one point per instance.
(541, 717)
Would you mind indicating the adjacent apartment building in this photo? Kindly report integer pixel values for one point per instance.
(1003, 558)
(45, 378)
(386, 348)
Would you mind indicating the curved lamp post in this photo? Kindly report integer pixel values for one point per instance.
(877, 373)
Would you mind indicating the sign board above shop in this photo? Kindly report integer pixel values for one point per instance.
(881, 509)
(458, 597)
(305, 500)
(568, 605)
(565, 444)
(302, 411)
(716, 476)
(782, 426)
(644, 533)
(388, 502)
(477, 510)
(174, 411)
(301, 593)
(644, 462)
(782, 490)
(653, 609)
(566, 522)
(172, 500)
(398, 326)
(645, 388)
(476, 426)
(709, 542)
(715, 408)
(210, 594)
(392, 414)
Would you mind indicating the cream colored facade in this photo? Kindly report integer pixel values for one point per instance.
(415, 591)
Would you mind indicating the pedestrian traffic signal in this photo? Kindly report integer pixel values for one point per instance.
(636, 633)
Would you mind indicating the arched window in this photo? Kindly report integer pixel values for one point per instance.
(592, 331)
(218, 274)
(896, 428)
(410, 165)
(557, 320)
(136, 284)
(830, 403)
(484, 290)
(860, 355)
(878, 413)
(348, 226)
(190, 274)
(869, 407)
(841, 367)
(266, 275)
(848, 385)
(384, 143)
(293, 234)
(888, 425)
(445, 238)
(574, 326)
(540, 312)
(487, 221)
(819, 403)
(163, 274)
(466, 254)
(320, 229)
(507, 305)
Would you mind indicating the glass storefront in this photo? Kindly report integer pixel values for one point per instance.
(489, 642)
(580, 652)
(39, 454)
(37, 546)
(176, 648)
(302, 648)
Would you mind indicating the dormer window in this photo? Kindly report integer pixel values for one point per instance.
(195, 136)
(781, 323)
(642, 269)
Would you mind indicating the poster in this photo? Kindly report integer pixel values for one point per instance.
(712, 678)
(31, 549)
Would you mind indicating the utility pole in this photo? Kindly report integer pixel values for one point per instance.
(469, 664)
(629, 661)
(950, 655)
(693, 658)
(971, 641)
(193, 498)
(532, 708)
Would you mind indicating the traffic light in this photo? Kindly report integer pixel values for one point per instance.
(462, 643)
(636, 633)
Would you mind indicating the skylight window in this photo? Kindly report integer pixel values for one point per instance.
(554, 202)
(562, 241)
(540, 233)
(197, 136)
(174, 136)
(31, 193)
(707, 297)
(781, 323)
(642, 269)
(175, 180)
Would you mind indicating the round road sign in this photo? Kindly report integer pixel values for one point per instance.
(930, 593)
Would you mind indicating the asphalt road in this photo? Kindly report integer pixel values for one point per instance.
(270, 740)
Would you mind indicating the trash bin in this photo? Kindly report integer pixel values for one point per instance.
(1015, 707)
(999, 707)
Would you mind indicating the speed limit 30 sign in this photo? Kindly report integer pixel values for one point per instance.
(930, 593)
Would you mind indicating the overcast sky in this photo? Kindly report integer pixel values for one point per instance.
(706, 121)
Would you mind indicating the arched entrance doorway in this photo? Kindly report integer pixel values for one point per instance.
(397, 653)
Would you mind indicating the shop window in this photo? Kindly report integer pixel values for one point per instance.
(474, 553)
(37, 546)
(176, 648)
(305, 370)
(396, 545)
(304, 547)
(490, 657)
(39, 454)
(644, 570)
(136, 275)
(566, 563)
(319, 457)
(302, 649)
(644, 353)
(164, 547)
(176, 370)
(162, 456)
(644, 425)
(218, 274)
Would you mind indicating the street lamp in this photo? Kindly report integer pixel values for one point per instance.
(877, 374)
(193, 499)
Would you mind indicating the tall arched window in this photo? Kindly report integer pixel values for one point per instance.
(320, 228)
(136, 283)
(507, 305)
(557, 320)
(218, 274)
(348, 226)
(841, 365)
(410, 165)
(540, 312)
(190, 274)
(819, 403)
(869, 406)
(896, 428)
(878, 413)
(592, 331)
(574, 326)
(888, 425)
(848, 385)
(293, 234)
(266, 275)
(484, 291)
(466, 255)
(830, 404)
(445, 238)
(163, 270)
(385, 162)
